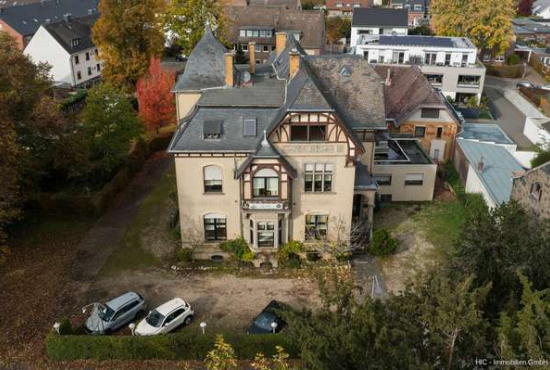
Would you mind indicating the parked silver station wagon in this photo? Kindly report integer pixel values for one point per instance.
(116, 313)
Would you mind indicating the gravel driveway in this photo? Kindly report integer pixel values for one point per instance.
(222, 301)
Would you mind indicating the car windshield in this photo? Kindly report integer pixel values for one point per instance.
(154, 318)
(105, 312)
(264, 321)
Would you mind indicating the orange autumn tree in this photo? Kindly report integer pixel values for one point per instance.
(156, 102)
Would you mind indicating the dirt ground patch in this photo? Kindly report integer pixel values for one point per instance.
(425, 233)
(225, 302)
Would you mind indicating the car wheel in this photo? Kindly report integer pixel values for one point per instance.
(188, 320)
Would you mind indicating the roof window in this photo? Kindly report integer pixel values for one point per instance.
(212, 130)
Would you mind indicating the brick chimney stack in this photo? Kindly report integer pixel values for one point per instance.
(480, 165)
(229, 75)
(388, 78)
(252, 56)
(280, 42)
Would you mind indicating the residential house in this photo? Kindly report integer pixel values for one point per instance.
(341, 8)
(449, 63)
(486, 169)
(260, 24)
(286, 150)
(378, 21)
(67, 46)
(22, 21)
(414, 108)
(541, 8)
(531, 30)
(287, 4)
(418, 10)
(532, 191)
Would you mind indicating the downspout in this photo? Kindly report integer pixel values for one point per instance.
(72, 70)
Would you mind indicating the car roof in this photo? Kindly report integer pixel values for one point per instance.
(121, 300)
(166, 308)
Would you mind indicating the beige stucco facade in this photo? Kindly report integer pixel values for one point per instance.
(399, 190)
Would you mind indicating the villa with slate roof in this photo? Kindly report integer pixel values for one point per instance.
(295, 149)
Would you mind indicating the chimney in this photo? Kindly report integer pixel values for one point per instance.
(388, 78)
(480, 165)
(252, 56)
(67, 17)
(229, 76)
(294, 65)
(280, 42)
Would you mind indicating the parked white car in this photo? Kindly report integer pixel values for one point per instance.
(166, 318)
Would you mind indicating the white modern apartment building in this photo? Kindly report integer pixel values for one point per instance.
(449, 63)
(378, 21)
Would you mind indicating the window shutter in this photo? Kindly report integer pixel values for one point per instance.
(212, 173)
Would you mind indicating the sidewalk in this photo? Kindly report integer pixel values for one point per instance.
(96, 247)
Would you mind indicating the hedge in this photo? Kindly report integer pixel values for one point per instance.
(505, 71)
(95, 204)
(179, 346)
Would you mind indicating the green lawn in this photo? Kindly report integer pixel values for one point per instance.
(131, 254)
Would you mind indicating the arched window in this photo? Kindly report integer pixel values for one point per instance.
(215, 227)
(265, 183)
(316, 226)
(536, 191)
(212, 179)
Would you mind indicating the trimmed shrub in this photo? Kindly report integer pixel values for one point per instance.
(382, 243)
(291, 248)
(238, 248)
(184, 345)
(184, 254)
(65, 327)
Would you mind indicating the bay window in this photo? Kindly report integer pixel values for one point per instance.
(265, 183)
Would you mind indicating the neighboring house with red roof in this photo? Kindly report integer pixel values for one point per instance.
(344, 7)
(416, 109)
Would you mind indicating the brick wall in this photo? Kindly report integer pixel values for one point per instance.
(521, 191)
(18, 37)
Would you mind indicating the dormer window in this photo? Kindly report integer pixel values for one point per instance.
(212, 130)
(265, 183)
(75, 42)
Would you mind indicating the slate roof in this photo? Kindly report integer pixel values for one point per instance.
(409, 90)
(485, 132)
(190, 136)
(357, 96)
(205, 67)
(264, 92)
(498, 171)
(26, 19)
(310, 23)
(8, 3)
(383, 17)
(80, 28)
(363, 178)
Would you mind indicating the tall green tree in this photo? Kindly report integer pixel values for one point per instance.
(186, 19)
(128, 34)
(111, 124)
(488, 23)
(525, 333)
(494, 244)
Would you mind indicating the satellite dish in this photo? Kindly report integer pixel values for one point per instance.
(246, 77)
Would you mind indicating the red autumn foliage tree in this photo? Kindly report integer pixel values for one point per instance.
(525, 6)
(156, 102)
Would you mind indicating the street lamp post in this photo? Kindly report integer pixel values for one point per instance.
(274, 326)
(56, 326)
(203, 327)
